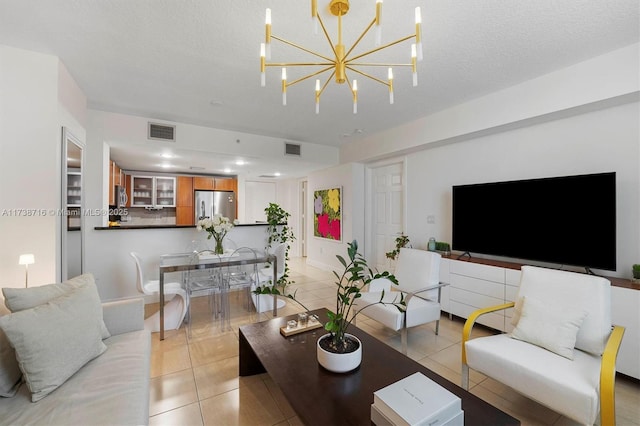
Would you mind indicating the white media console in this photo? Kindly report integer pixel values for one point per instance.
(480, 283)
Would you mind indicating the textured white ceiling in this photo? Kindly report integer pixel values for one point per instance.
(170, 59)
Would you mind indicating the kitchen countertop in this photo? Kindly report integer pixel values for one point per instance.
(109, 228)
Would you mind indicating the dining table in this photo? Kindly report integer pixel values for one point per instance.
(182, 262)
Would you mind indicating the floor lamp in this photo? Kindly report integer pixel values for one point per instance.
(26, 260)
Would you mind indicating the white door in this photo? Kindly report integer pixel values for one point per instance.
(387, 187)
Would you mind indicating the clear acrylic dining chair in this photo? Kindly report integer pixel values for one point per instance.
(202, 282)
(239, 278)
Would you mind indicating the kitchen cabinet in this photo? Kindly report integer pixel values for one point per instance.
(204, 182)
(153, 191)
(116, 178)
(215, 183)
(184, 202)
(226, 184)
(74, 188)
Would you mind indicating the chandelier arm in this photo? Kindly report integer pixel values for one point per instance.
(360, 38)
(309, 76)
(299, 64)
(297, 46)
(380, 48)
(366, 75)
(326, 34)
(326, 83)
(376, 64)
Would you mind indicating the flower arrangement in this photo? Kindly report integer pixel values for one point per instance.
(217, 227)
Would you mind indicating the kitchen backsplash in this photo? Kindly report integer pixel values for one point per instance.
(142, 216)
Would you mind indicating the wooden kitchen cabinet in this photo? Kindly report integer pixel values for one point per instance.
(226, 184)
(204, 182)
(184, 202)
(116, 178)
(215, 183)
(111, 186)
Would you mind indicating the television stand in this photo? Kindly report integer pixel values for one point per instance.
(466, 253)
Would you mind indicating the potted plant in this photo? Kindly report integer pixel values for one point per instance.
(279, 232)
(339, 351)
(636, 272)
(401, 241)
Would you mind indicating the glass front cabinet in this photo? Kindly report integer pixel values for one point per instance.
(153, 191)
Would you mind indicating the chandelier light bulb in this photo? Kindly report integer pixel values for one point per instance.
(419, 32)
(414, 68)
(284, 86)
(267, 32)
(263, 79)
(378, 41)
(355, 96)
(390, 73)
(314, 15)
(317, 96)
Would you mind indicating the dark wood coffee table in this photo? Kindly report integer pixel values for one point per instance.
(320, 397)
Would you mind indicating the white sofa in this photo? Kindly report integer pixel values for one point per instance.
(111, 389)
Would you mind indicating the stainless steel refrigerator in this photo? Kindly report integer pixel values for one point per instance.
(209, 203)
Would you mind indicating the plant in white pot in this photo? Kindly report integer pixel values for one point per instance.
(339, 351)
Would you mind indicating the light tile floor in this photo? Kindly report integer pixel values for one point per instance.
(195, 381)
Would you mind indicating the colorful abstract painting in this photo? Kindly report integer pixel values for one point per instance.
(327, 214)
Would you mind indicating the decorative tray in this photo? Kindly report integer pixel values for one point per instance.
(311, 325)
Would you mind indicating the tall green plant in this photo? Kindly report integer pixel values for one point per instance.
(354, 277)
(279, 232)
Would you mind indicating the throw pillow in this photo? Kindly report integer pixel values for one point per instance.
(554, 328)
(19, 299)
(10, 375)
(54, 340)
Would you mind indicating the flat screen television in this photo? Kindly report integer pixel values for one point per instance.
(569, 220)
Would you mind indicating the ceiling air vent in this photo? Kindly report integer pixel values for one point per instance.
(268, 176)
(161, 132)
(291, 149)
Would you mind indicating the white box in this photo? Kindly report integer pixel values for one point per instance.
(379, 419)
(416, 400)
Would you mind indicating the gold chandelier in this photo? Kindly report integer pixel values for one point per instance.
(339, 60)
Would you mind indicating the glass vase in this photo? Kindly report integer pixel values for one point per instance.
(219, 249)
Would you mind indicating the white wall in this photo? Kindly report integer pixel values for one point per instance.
(597, 83)
(35, 99)
(109, 260)
(599, 141)
(581, 119)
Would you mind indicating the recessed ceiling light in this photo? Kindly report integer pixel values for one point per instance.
(227, 170)
(166, 155)
(276, 174)
(240, 163)
(166, 166)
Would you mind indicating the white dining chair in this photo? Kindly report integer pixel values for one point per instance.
(174, 310)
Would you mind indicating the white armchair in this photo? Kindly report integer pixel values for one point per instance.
(563, 349)
(418, 273)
